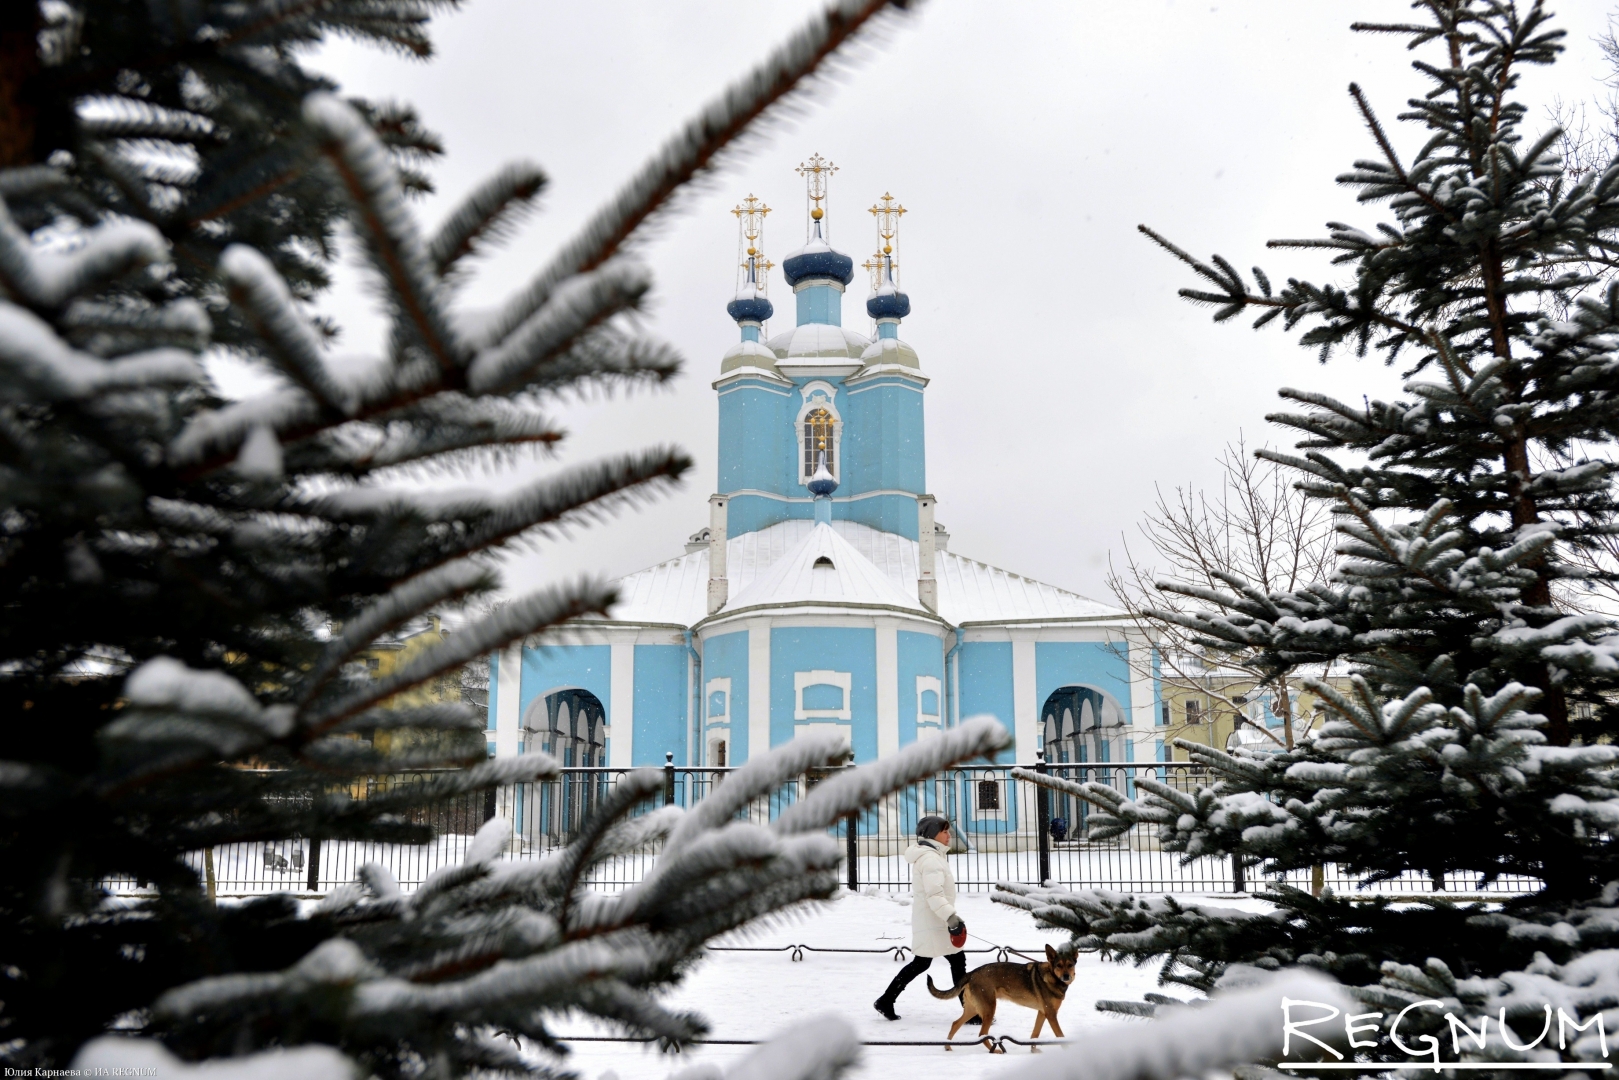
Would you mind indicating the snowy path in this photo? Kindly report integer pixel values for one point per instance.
(755, 995)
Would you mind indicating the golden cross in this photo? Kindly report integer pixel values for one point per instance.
(887, 213)
(750, 215)
(816, 171)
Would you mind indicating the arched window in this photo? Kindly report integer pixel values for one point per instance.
(818, 441)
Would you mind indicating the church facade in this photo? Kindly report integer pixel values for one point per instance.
(823, 594)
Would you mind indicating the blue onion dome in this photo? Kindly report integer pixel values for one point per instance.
(816, 259)
(822, 482)
(750, 305)
(888, 303)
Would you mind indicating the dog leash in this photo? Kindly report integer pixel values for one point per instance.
(1005, 950)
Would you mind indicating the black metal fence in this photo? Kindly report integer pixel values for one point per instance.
(1004, 829)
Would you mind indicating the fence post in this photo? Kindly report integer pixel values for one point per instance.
(852, 850)
(1042, 799)
(1239, 874)
(314, 864)
(668, 778)
(208, 868)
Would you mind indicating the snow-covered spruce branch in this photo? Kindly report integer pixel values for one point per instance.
(47, 280)
(694, 151)
(150, 1057)
(1236, 1027)
(114, 328)
(434, 716)
(382, 219)
(582, 302)
(514, 942)
(510, 622)
(759, 776)
(410, 598)
(522, 769)
(574, 495)
(42, 366)
(839, 796)
(485, 215)
(818, 1048)
(606, 355)
(258, 290)
(438, 434)
(631, 790)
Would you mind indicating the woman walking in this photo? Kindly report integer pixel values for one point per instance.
(936, 929)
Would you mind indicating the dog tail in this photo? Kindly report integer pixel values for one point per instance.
(946, 995)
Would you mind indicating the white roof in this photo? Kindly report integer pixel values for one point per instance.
(969, 591)
(823, 567)
(819, 340)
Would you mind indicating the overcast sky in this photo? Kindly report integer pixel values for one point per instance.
(1027, 140)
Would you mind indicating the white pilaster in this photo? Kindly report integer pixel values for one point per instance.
(509, 700)
(1141, 697)
(887, 688)
(758, 688)
(621, 709)
(719, 585)
(927, 585)
(1025, 710)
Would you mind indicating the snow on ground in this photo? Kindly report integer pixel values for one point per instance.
(753, 995)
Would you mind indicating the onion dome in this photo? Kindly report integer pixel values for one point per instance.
(750, 305)
(817, 259)
(888, 302)
(822, 483)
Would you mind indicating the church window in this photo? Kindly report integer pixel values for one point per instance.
(819, 428)
(823, 696)
(716, 703)
(719, 754)
(989, 795)
(822, 561)
(930, 703)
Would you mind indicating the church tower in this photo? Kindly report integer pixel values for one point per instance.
(820, 394)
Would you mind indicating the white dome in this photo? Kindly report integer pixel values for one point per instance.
(748, 354)
(886, 351)
(820, 341)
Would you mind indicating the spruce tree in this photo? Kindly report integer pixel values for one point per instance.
(1459, 504)
(187, 580)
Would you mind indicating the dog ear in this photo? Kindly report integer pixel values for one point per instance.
(1051, 954)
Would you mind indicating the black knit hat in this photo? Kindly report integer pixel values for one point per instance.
(931, 826)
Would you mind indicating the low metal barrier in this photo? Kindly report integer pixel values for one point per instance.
(1003, 829)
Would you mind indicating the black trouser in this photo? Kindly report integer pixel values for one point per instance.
(958, 972)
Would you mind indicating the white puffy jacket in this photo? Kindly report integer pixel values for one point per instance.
(933, 899)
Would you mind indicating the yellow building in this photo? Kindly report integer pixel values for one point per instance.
(389, 655)
(1225, 709)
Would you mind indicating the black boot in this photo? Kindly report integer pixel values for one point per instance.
(885, 1005)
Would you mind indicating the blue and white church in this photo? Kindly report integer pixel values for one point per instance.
(823, 595)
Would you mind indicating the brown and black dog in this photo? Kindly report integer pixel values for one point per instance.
(1040, 986)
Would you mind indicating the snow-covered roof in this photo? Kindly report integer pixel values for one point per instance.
(969, 591)
(823, 567)
(819, 340)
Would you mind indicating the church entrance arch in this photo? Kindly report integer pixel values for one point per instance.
(570, 724)
(1082, 728)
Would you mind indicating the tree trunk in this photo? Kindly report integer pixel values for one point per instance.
(19, 63)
